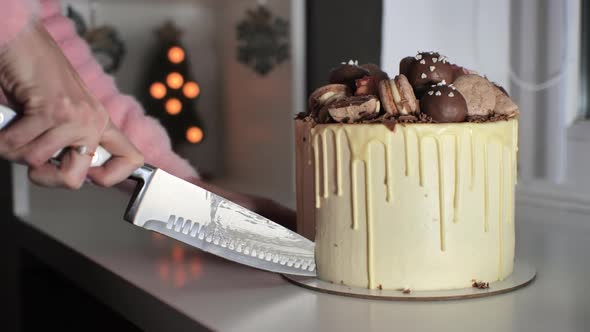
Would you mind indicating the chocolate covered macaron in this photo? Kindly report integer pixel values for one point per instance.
(354, 109)
(398, 96)
(326, 95)
(444, 103)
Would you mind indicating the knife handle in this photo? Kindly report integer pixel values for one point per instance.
(100, 157)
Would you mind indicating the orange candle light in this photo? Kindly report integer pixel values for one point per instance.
(176, 54)
(174, 80)
(158, 90)
(194, 135)
(173, 106)
(191, 90)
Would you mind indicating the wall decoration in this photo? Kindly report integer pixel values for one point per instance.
(263, 40)
(104, 41)
(169, 93)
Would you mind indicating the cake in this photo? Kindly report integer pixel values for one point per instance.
(408, 183)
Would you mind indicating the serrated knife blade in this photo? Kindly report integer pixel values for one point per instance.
(183, 211)
(190, 214)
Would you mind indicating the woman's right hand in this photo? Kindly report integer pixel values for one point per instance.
(57, 111)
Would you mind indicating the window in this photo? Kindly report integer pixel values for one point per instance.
(585, 59)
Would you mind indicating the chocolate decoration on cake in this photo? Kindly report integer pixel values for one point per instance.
(404, 65)
(325, 95)
(375, 71)
(348, 73)
(444, 104)
(398, 96)
(366, 86)
(479, 93)
(353, 109)
(427, 68)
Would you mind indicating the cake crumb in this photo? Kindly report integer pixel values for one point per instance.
(480, 284)
(335, 245)
(404, 290)
(342, 282)
(380, 286)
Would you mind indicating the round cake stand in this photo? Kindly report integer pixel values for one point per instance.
(523, 274)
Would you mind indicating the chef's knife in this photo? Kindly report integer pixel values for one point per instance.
(181, 210)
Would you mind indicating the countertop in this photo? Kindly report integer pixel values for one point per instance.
(162, 285)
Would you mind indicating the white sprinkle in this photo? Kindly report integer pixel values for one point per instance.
(432, 68)
(453, 88)
(434, 60)
(418, 56)
(344, 62)
(422, 62)
(431, 52)
(451, 94)
(438, 93)
(444, 82)
(439, 84)
(430, 93)
(423, 75)
(351, 62)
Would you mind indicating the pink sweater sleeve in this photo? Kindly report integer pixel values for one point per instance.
(145, 132)
(14, 16)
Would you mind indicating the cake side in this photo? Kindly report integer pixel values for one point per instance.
(425, 206)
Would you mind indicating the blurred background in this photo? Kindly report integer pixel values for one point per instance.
(227, 77)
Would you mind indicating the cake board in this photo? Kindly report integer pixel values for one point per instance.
(523, 274)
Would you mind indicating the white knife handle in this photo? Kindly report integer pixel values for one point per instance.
(101, 156)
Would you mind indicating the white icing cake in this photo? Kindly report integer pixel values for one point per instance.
(420, 207)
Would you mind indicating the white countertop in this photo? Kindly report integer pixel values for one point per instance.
(178, 285)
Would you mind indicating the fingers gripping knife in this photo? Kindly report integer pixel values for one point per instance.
(207, 221)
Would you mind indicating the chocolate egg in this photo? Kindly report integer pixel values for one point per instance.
(375, 71)
(348, 73)
(428, 68)
(404, 65)
(444, 104)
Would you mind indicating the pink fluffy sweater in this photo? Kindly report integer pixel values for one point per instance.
(145, 132)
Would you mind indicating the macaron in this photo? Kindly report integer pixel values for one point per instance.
(325, 95)
(479, 93)
(398, 96)
(348, 73)
(443, 103)
(504, 105)
(427, 68)
(354, 109)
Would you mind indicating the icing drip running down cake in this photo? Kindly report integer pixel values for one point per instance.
(408, 183)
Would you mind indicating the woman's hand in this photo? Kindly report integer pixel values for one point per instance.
(57, 111)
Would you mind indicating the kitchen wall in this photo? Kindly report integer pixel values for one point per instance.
(258, 112)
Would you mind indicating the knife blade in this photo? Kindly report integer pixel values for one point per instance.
(193, 215)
